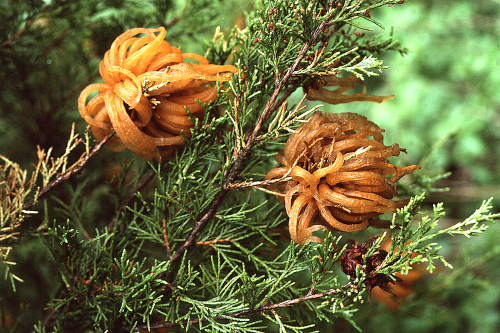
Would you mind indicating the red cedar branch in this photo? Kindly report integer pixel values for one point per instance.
(271, 106)
(244, 313)
(240, 159)
(68, 174)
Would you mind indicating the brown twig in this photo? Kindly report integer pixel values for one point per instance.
(244, 313)
(237, 186)
(16, 36)
(244, 154)
(67, 175)
(165, 237)
(177, 18)
(215, 241)
(21, 31)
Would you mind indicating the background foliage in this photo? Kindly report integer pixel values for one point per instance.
(446, 99)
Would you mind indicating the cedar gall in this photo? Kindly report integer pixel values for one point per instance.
(143, 72)
(338, 167)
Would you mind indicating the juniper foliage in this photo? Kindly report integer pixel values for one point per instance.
(193, 243)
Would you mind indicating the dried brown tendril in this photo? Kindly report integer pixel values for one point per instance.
(147, 87)
(316, 90)
(338, 167)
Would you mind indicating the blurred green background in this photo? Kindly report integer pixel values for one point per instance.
(446, 114)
